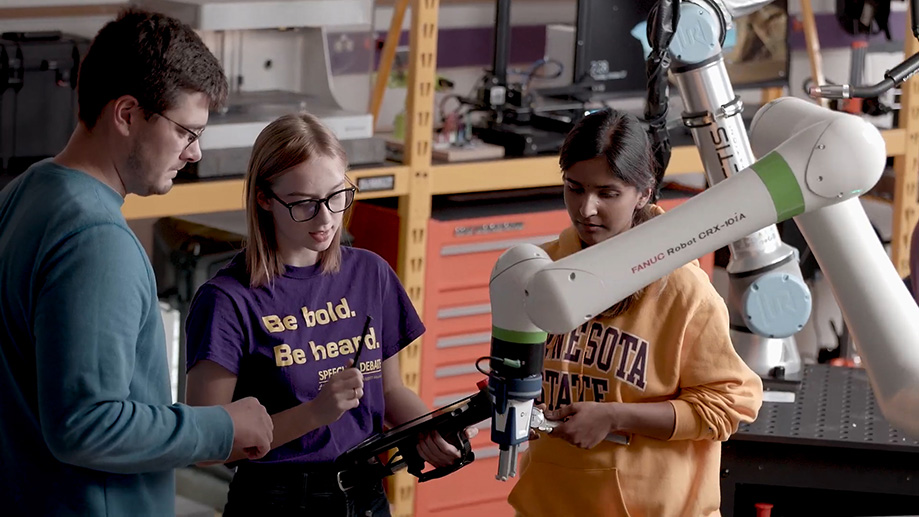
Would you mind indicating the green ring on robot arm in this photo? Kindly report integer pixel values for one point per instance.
(782, 185)
(517, 336)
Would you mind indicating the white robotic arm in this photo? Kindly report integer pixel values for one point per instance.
(814, 165)
(828, 159)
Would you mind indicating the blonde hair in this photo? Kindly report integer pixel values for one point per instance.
(285, 143)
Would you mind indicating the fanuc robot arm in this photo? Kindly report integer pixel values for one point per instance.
(815, 163)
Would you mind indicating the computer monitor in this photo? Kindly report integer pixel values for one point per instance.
(608, 58)
(612, 47)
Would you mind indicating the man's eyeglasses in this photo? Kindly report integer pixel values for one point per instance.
(192, 135)
(302, 211)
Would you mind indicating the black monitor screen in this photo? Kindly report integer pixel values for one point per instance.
(608, 57)
(612, 46)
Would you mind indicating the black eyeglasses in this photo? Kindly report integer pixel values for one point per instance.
(192, 135)
(302, 211)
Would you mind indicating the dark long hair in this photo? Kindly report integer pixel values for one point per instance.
(623, 142)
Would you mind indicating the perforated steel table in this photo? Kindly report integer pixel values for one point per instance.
(829, 452)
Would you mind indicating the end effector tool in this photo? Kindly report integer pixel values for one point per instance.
(512, 399)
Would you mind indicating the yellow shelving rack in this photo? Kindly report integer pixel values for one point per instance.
(906, 165)
(415, 205)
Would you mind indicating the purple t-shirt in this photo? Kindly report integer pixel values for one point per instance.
(285, 341)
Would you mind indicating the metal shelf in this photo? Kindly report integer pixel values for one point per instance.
(514, 173)
(220, 195)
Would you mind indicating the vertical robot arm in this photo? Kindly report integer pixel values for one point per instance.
(814, 170)
(762, 268)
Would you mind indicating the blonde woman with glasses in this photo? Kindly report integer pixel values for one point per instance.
(285, 322)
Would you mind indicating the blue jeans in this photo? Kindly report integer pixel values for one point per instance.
(284, 490)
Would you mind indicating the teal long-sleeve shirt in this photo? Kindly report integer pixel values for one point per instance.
(87, 423)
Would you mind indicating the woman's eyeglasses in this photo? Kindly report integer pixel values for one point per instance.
(302, 211)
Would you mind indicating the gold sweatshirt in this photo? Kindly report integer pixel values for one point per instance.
(672, 345)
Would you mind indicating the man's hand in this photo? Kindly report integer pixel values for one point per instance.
(585, 424)
(252, 428)
(439, 452)
(343, 392)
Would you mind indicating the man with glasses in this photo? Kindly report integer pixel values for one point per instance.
(192, 135)
(87, 424)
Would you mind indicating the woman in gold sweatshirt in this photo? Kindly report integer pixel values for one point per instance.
(657, 367)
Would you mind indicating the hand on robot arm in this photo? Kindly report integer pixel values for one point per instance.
(583, 424)
(812, 169)
(586, 424)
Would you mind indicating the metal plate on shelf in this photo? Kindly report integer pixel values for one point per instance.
(833, 406)
(376, 183)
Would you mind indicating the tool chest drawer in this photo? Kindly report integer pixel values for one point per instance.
(459, 333)
(454, 348)
(457, 311)
(461, 254)
(449, 381)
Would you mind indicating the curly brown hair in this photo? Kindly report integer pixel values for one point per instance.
(153, 58)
